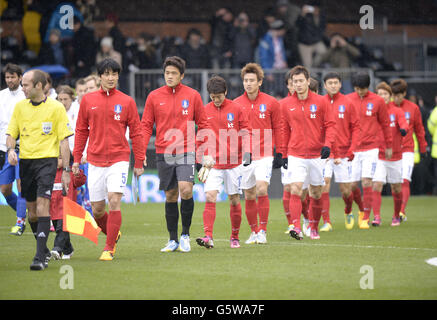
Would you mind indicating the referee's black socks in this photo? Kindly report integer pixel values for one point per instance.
(172, 218)
(187, 208)
(34, 227)
(42, 235)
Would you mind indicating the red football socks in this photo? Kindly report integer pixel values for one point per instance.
(102, 222)
(348, 201)
(263, 211)
(235, 220)
(316, 207)
(112, 227)
(295, 210)
(325, 207)
(398, 201)
(251, 215)
(305, 207)
(376, 203)
(357, 198)
(367, 202)
(209, 218)
(286, 204)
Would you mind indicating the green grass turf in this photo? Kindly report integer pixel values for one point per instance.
(282, 269)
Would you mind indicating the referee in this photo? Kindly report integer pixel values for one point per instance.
(42, 125)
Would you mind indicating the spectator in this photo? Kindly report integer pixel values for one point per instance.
(118, 39)
(271, 47)
(107, 51)
(53, 52)
(340, 54)
(144, 53)
(84, 49)
(288, 13)
(194, 51)
(170, 46)
(89, 10)
(264, 25)
(311, 27)
(221, 41)
(243, 41)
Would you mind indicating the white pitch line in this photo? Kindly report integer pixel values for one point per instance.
(303, 243)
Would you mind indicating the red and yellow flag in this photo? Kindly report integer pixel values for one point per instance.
(79, 221)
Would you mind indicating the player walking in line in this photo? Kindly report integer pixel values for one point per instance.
(8, 98)
(414, 120)
(348, 131)
(390, 170)
(309, 132)
(264, 117)
(174, 108)
(103, 117)
(231, 130)
(372, 112)
(42, 125)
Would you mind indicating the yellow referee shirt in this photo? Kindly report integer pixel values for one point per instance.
(40, 128)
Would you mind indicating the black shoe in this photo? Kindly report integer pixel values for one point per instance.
(37, 265)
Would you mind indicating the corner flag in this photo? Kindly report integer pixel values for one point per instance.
(78, 221)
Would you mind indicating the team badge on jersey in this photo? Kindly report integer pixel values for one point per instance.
(230, 118)
(118, 108)
(369, 109)
(392, 120)
(407, 115)
(341, 110)
(262, 109)
(47, 127)
(313, 109)
(185, 104)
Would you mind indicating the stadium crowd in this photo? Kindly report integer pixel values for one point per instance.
(357, 137)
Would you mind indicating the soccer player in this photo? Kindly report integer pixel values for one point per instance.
(103, 117)
(66, 97)
(372, 112)
(93, 83)
(309, 132)
(175, 108)
(414, 120)
(348, 131)
(42, 125)
(231, 131)
(264, 117)
(8, 98)
(390, 170)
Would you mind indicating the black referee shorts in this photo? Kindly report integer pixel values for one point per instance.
(37, 178)
(174, 168)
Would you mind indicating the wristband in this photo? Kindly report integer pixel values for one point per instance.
(67, 169)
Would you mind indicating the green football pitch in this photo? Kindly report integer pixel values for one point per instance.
(380, 263)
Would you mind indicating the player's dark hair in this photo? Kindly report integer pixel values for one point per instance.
(176, 62)
(13, 68)
(332, 75)
(361, 80)
(384, 86)
(39, 76)
(299, 70)
(216, 85)
(314, 85)
(398, 86)
(253, 68)
(287, 77)
(108, 65)
(67, 90)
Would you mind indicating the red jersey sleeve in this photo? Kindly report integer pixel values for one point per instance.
(277, 125)
(136, 135)
(148, 120)
(81, 132)
(419, 130)
(354, 126)
(285, 129)
(384, 122)
(244, 131)
(329, 125)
